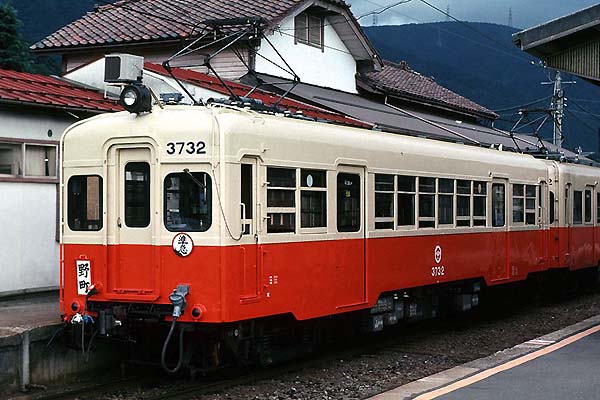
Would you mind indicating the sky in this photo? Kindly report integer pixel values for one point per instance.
(526, 13)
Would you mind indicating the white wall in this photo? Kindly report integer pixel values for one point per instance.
(93, 75)
(329, 68)
(29, 251)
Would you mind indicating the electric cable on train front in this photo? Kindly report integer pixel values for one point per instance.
(178, 300)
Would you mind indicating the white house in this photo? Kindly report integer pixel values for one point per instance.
(34, 111)
(320, 40)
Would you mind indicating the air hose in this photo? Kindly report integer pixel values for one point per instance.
(163, 355)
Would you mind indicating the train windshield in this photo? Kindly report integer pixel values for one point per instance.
(188, 202)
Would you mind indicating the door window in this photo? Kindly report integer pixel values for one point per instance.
(348, 202)
(498, 205)
(137, 194)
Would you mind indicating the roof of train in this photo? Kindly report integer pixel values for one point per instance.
(187, 119)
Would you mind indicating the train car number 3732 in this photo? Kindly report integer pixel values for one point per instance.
(179, 148)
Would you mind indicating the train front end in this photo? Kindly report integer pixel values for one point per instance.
(140, 221)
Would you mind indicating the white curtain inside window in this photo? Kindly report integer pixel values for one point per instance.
(40, 160)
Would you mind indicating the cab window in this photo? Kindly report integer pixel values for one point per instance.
(84, 203)
(188, 202)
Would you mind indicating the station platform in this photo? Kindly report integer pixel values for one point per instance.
(561, 365)
(27, 313)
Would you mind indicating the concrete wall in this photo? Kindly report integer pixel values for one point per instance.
(30, 252)
(331, 68)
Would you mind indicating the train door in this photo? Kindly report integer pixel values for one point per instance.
(350, 225)
(542, 223)
(249, 243)
(500, 223)
(568, 224)
(553, 242)
(589, 232)
(133, 269)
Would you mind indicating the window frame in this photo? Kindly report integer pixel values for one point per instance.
(574, 205)
(100, 205)
(210, 203)
(393, 192)
(282, 210)
(361, 203)
(306, 30)
(301, 189)
(589, 221)
(21, 175)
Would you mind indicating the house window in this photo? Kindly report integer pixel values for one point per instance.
(40, 160)
(27, 160)
(309, 29)
(11, 159)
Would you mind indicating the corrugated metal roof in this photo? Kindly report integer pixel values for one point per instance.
(391, 120)
(212, 83)
(399, 80)
(39, 90)
(144, 21)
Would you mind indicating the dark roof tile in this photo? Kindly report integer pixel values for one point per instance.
(401, 81)
(148, 20)
(44, 90)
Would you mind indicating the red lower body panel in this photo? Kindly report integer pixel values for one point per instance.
(314, 279)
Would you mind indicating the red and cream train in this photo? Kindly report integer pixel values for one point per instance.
(238, 219)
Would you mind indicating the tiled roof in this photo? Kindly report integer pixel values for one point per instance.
(39, 90)
(212, 83)
(399, 80)
(138, 21)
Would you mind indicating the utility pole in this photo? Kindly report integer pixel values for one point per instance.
(510, 17)
(557, 107)
(375, 20)
(448, 13)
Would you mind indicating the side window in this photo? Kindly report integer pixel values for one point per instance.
(84, 203)
(463, 203)
(348, 202)
(498, 205)
(281, 200)
(426, 202)
(588, 206)
(246, 196)
(406, 200)
(577, 207)
(188, 202)
(384, 201)
(518, 203)
(313, 199)
(530, 204)
(552, 215)
(137, 194)
(480, 203)
(598, 208)
(445, 201)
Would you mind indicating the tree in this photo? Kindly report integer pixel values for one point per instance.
(14, 52)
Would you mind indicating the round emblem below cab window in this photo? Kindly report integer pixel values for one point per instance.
(183, 244)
